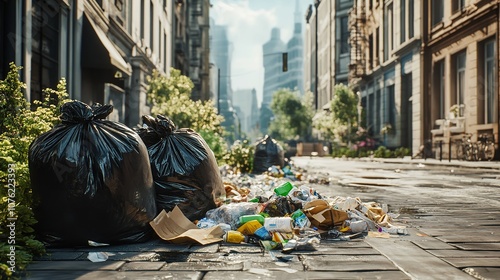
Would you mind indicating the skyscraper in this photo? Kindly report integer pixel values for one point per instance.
(220, 56)
(274, 77)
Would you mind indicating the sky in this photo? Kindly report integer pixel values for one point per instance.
(249, 27)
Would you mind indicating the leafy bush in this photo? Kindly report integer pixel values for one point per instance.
(240, 156)
(383, 152)
(19, 126)
(216, 143)
(402, 152)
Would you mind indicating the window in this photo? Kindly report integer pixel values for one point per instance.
(151, 25)
(142, 19)
(438, 96)
(437, 11)
(370, 54)
(344, 35)
(459, 78)
(390, 111)
(402, 21)
(160, 32)
(406, 20)
(377, 46)
(44, 46)
(489, 82)
(377, 112)
(388, 31)
(457, 6)
(411, 18)
(165, 52)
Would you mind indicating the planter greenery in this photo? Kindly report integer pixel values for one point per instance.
(20, 124)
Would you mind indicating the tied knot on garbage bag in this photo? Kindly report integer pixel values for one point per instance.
(184, 168)
(79, 112)
(92, 179)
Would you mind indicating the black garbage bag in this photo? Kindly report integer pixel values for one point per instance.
(267, 153)
(92, 180)
(185, 170)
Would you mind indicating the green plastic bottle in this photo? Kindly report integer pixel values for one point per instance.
(248, 218)
(284, 189)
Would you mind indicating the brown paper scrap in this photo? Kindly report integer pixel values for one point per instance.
(174, 227)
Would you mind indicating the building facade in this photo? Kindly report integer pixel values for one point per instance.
(327, 50)
(461, 70)
(385, 69)
(245, 101)
(104, 49)
(427, 70)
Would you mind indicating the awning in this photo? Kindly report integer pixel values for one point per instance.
(114, 56)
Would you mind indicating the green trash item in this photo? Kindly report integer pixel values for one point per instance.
(284, 189)
(247, 218)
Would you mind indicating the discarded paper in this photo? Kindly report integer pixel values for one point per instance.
(176, 228)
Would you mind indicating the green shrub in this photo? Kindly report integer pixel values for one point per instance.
(216, 142)
(383, 152)
(402, 152)
(19, 126)
(240, 157)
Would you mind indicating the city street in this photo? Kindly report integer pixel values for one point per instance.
(452, 212)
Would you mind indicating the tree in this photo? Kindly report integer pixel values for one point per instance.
(343, 115)
(344, 105)
(292, 116)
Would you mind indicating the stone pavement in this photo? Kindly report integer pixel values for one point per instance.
(426, 253)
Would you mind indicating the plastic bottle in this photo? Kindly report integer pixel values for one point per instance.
(249, 227)
(234, 236)
(247, 218)
(284, 189)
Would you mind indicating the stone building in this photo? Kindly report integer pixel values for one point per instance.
(385, 69)
(461, 62)
(106, 49)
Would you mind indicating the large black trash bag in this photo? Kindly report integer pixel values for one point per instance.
(267, 153)
(185, 170)
(93, 180)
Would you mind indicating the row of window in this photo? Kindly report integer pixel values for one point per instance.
(406, 31)
(486, 82)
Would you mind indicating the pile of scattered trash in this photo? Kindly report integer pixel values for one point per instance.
(284, 212)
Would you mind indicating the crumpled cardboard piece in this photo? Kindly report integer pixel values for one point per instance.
(174, 227)
(322, 215)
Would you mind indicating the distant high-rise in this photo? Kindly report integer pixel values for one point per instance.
(274, 77)
(295, 49)
(245, 100)
(220, 56)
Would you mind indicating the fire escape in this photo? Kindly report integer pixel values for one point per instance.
(358, 43)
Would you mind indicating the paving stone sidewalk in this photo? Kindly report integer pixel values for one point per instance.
(429, 252)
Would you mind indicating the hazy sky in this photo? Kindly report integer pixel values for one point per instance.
(249, 27)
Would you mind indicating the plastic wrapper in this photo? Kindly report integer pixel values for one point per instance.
(92, 180)
(280, 206)
(184, 168)
(230, 213)
(267, 153)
